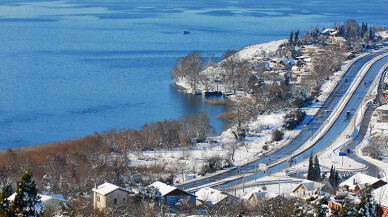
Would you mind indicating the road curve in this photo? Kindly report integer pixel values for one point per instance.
(338, 126)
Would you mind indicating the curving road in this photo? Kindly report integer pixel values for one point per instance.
(338, 126)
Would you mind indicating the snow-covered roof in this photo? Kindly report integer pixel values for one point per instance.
(303, 57)
(12, 197)
(383, 107)
(107, 188)
(359, 179)
(333, 33)
(328, 30)
(258, 195)
(43, 197)
(382, 34)
(341, 39)
(310, 46)
(162, 187)
(380, 195)
(309, 185)
(285, 61)
(210, 195)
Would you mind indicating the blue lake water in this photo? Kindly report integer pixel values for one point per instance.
(70, 68)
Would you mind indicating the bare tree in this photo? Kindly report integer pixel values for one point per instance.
(188, 67)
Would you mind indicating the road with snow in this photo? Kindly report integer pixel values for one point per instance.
(232, 177)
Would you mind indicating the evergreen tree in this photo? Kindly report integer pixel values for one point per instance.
(27, 202)
(363, 30)
(5, 206)
(348, 210)
(319, 203)
(317, 169)
(332, 176)
(291, 38)
(336, 179)
(371, 35)
(310, 172)
(296, 37)
(367, 206)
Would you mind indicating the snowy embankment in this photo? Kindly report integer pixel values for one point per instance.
(250, 53)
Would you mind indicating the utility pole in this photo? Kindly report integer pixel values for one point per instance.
(243, 182)
(255, 172)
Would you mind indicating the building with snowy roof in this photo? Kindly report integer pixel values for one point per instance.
(336, 202)
(330, 32)
(108, 195)
(281, 63)
(309, 50)
(382, 113)
(252, 198)
(380, 196)
(171, 195)
(212, 197)
(307, 188)
(49, 201)
(359, 181)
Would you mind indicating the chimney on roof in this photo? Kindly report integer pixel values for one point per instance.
(95, 185)
(354, 181)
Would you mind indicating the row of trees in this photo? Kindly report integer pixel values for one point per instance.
(71, 167)
(314, 170)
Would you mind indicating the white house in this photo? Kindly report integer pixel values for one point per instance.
(307, 188)
(213, 197)
(109, 195)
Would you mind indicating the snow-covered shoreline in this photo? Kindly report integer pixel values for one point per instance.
(249, 53)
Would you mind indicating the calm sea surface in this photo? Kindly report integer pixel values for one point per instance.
(70, 68)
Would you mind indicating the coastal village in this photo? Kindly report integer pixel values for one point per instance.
(328, 183)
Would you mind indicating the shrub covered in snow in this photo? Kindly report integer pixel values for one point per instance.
(214, 164)
(292, 119)
(277, 135)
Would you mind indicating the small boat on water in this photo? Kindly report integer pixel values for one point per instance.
(185, 32)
